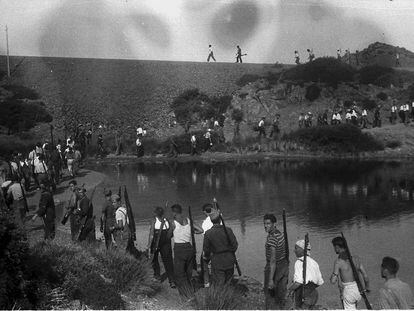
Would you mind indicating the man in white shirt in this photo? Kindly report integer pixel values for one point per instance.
(313, 278)
(210, 53)
(364, 115)
(394, 110)
(262, 127)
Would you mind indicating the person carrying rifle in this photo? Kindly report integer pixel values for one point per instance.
(107, 218)
(343, 274)
(121, 232)
(277, 265)
(85, 224)
(47, 212)
(159, 242)
(220, 247)
(183, 250)
(313, 278)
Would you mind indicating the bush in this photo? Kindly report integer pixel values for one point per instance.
(369, 104)
(11, 143)
(382, 96)
(411, 92)
(247, 78)
(224, 297)
(389, 79)
(312, 92)
(327, 70)
(343, 138)
(393, 144)
(22, 92)
(370, 74)
(13, 259)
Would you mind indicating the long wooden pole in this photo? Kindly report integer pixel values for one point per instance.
(7, 49)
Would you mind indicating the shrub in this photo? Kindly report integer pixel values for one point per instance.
(411, 92)
(327, 70)
(22, 92)
(343, 138)
(247, 78)
(382, 96)
(369, 104)
(387, 79)
(312, 92)
(13, 259)
(225, 297)
(370, 74)
(393, 144)
(11, 143)
(348, 104)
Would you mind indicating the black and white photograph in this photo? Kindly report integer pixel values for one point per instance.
(206, 154)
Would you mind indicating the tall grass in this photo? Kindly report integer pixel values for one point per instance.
(224, 297)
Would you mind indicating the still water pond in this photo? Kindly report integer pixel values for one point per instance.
(370, 202)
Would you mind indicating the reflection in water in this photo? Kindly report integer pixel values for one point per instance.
(371, 202)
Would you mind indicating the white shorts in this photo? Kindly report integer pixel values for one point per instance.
(350, 295)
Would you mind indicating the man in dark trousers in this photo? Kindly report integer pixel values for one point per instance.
(277, 266)
(107, 218)
(72, 202)
(239, 55)
(47, 211)
(183, 251)
(221, 249)
(163, 235)
(84, 215)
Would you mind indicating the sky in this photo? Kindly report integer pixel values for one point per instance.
(268, 31)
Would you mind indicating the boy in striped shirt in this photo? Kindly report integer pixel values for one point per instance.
(277, 266)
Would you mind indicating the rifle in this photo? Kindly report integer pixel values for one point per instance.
(305, 254)
(130, 215)
(285, 235)
(69, 212)
(86, 217)
(215, 204)
(193, 238)
(356, 275)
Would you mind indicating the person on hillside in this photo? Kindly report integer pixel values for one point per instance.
(407, 112)
(261, 128)
(275, 127)
(313, 279)
(55, 165)
(239, 55)
(348, 57)
(395, 294)
(394, 110)
(325, 117)
(308, 119)
(207, 136)
(354, 116)
(336, 118)
(412, 110)
(338, 54)
(70, 208)
(77, 160)
(184, 255)
(301, 120)
(107, 218)
(101, 150)
(163, 248)
(208, 210)
(15, 194)
(401, 113)
(364, 120)
(297, 58)
(193, 141)
(210, 53)
(377, 117)
(397, 60)
(343, 275)
(220, 248)
(84, 217)
(26, 172)
(173, 148)
(277, 266)
(41, 170)
(121, 231)
(311, 56)
(140, 147)
(47, 212)
(70, 159)
(89, 136)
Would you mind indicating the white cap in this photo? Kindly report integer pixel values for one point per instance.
(301, 244)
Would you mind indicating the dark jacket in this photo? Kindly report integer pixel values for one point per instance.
(47, 207)
(215, 244)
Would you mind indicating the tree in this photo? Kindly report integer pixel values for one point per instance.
(237, 115)
(190, 106)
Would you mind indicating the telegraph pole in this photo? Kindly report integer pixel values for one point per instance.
(7, 57)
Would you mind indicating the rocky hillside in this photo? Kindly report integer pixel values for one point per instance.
(137, 92)
(384, 54)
